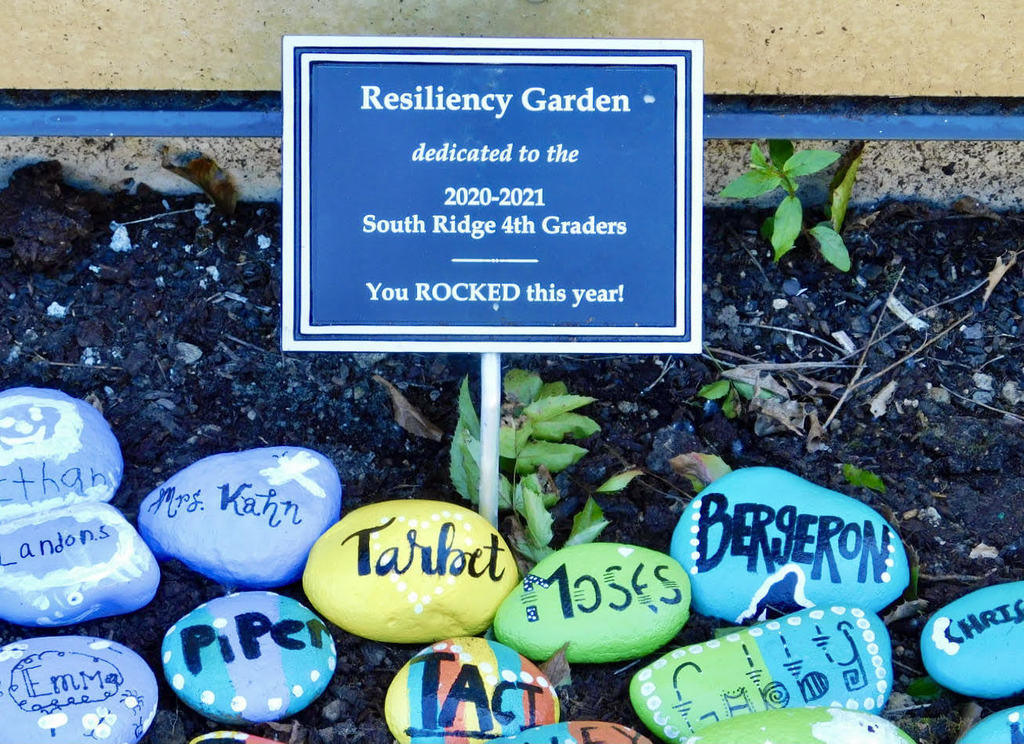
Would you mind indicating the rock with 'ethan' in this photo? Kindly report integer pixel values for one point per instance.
(410, 572)
(835, 656)
(972, 645)
(803, 726)
(245, 519)
(608, 601)
(760, 542)
(576, 732)
(1004, 727)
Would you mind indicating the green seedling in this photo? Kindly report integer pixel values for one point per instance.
(731, 394)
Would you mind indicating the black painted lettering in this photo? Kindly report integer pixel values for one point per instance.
(251, 626)
(714, 509)
(282, 631)
(801, 537)
(848, 551)
(45, 481)
(317, 631)
(677, 596)
(595, 589)
(363, 546)
(194, 639)
(431, 662)
(529, 707)
(970, 626)
(828, 528)
(468, 688)
(785, 522)
(627, 597)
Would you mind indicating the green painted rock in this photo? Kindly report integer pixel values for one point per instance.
(608, 601)
(803, 726)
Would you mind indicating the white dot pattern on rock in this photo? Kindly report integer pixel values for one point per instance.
(238, 703)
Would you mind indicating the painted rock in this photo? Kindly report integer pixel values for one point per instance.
(576, 732)
(608, 601)
(466, 690)
(410, 572)
(54, 450)
(972, 645)
(74, 689)
(231, 737)
(761, 542)
(1004, 727)
(834, 657)
(249, 657)
(803, 726)
(71, 564)
(245, 519)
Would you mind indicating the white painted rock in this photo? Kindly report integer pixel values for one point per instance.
(245, 519)
(54, 450)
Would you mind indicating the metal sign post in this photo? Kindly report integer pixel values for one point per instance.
(490, 428)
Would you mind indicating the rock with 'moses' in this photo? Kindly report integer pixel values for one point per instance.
(608, 601)
(834, 656)
(576, 732)
(469, 689)
(246, 519)
(761, 542)
(1004, 727)
(54, 450)
(410, 572)
(803, 726)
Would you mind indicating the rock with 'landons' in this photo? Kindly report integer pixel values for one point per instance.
(608, 601)
(803, 726)
(761, 542)
(972, 645)
(54, 450)
(246, 519)
(1004, 727)
(576, 732)
(835, 656)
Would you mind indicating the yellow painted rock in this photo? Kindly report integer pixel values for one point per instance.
(410, 572)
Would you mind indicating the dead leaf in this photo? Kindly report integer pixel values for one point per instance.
(815, 441)
(970, 206)
(758, 379)
(207, 175)
(774, 416)
(996, 275)
(970, 715)
(862, 222)
(903, 610)
(556, 669)
(981, 550)
(881, 401)
(547, 481)
(409, 416)
(701, 469)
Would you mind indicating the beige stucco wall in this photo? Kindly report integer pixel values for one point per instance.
(802, 47)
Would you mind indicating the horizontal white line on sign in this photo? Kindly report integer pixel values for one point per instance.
(496, 260)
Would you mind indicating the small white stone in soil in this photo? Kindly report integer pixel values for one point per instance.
(214, 273)
(263, 242)
(119, 241)
(56, 310)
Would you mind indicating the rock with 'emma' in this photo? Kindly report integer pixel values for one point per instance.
(467, 690)
(246, 519)
(761, 542)
(803, 726)
(608, 601)
(972, 645)
(576, 732)
(834, 656)
(410, 572)
(1004, 727)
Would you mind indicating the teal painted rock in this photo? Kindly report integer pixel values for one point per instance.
(576, 732)
(834, 656)
(803, 726)
(761, 542)
(608, 601)
(249, 657)
(972, 646)
(1004, 727)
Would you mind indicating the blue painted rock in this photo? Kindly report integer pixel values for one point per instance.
(54, 450)
(761, 542)
(608, 601)
(834, 657)
(410, 571)
(467, 690)
(576, 732)
(245, 519)
(74, 563)
(249, 657)
(231, 737)
(971, 645)
(74, 689)
(1004, 727)
(803, 726)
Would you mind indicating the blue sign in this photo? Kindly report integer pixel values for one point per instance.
(492, 195)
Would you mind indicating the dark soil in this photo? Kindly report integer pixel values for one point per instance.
(947, 448)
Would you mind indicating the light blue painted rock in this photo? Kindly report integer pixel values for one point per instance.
(1004, 727)
(836, 656)
(246, 519)
(72, 690)
(249, 657)
(576, 732)
(972, 646)
(54, 450)
(71, 564)
(761, 542)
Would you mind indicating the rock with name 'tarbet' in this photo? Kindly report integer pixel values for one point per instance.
(410, 572)
(802, 726)
(72, 690)
(54, 450)
(761, 542)
(972, 645)
(1004, 727)
(469, 689)
(246, 519)
(71, 564)
(249, 657)
(576, 732)
(835, 656)
(608, 601)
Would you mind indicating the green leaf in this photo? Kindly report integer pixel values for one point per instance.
(858, 477)
(746, 391)
(511, 441)
(538, 519)
(780, 151)
(750, 184)
(715, 390)
(619, 481)
(522, 386)
(554, 456)
(550, 389)
(467, 412)
(567, 425)
(806, 162)
(841, 188)
(789, 220)
(831, 245)
(587, 525)
(546, 409)
(535, 553)
(757, 156)
(533, 482)
(924, 688)
(731, 405)
(699, 468)
(767, 228)
(464, 469)
(504, 493)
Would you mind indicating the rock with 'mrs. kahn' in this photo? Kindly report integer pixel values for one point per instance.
(803, 726)
(760, 542)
